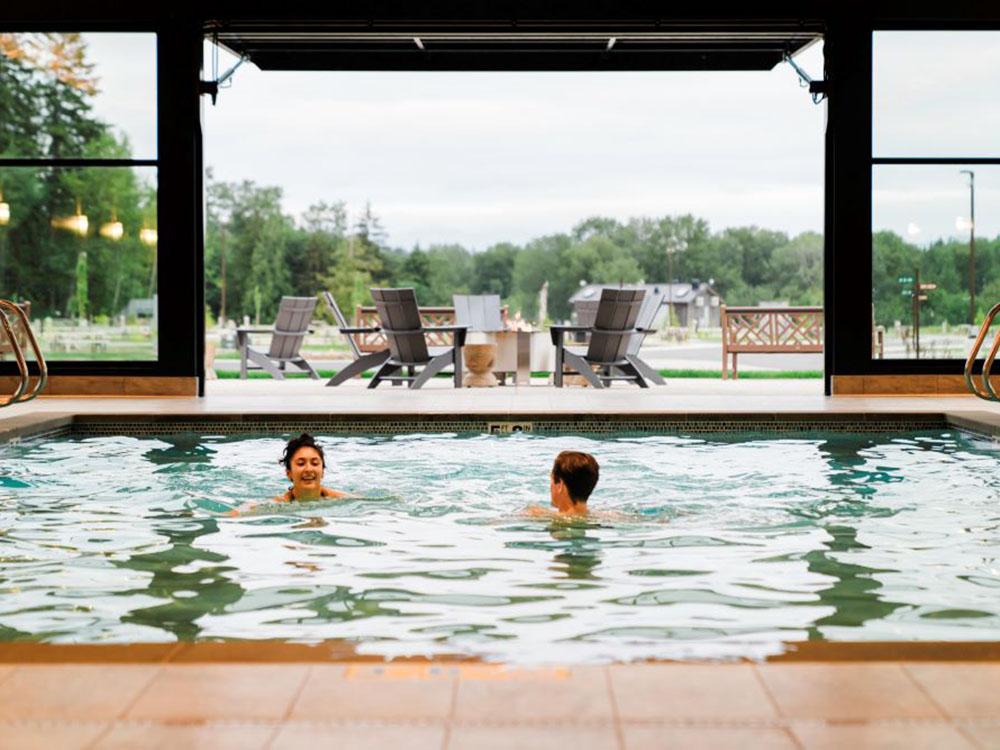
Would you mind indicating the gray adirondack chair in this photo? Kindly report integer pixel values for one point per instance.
(610, 336)
(289, 331)
(651, 305)
(400, 322)
(478, 312)
(361, 361)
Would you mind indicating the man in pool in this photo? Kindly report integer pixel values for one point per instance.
(573, 477)
(304, 465)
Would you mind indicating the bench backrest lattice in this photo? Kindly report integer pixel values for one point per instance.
(769, 330)
(368, 317)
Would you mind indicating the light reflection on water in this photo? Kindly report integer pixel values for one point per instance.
(707, 546)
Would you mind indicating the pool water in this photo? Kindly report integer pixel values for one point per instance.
(708, 546)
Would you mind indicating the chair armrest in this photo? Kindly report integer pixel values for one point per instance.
(571, 329)
(374, 329)
(558, 332)
(444, 329)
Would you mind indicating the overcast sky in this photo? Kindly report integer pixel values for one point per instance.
(478, 158)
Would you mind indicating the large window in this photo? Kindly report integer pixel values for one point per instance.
(78, 180)
(935, 186)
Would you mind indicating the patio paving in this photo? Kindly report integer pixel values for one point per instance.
(455, 706)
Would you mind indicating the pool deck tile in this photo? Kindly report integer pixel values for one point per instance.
(206, 692)
(820, 735)
(986, 736)
(150, 736)
(359, 737)
(49, 735)
(698, 691)
(846, 692)
(562, 695)
(963, 691)
(707, 738)
(511, 737)
(337, 692)
(72, 691)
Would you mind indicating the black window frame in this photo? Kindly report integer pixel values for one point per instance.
(924, 366)
(177, 164)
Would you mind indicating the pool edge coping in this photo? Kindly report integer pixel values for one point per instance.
(36, 426)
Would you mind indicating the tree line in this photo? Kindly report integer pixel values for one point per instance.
(255, 253)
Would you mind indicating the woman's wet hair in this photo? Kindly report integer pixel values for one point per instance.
(305, 440)
(578, 471)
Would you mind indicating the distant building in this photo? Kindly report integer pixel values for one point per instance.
(695, 304)
(143, 307)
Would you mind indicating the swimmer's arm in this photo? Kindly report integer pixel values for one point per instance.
(537, 511)
(335, 494)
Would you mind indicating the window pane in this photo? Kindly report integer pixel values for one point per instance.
(934, 93)
(80, 246)
(921, 225)
(78, 95)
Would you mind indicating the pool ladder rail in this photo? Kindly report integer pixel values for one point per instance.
(986, 391)
(22, 393)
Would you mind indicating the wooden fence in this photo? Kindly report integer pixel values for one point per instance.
(769, 330)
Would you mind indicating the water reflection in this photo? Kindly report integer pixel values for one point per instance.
(579, 554)
(202, 589)
(185, 448)
(854, 593)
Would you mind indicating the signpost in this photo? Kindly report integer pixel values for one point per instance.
(916, 295)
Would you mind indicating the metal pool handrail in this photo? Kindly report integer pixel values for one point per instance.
(987, 394)
(22, 394)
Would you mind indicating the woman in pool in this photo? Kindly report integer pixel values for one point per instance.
(304, 465)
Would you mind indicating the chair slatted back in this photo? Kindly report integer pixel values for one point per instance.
(400, 319)
(478, 312)
(586, 311)
(341, 321)
(291, 326)
(614, 323)
(651, 305)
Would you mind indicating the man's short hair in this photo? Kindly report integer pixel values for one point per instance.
(578, 471)
(305, 440)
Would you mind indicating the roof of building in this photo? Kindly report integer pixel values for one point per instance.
(679, 292)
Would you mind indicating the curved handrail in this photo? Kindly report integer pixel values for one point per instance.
(22, 366)
(43, 370)
(988, 394)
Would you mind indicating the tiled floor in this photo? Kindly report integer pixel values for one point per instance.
(454, 706)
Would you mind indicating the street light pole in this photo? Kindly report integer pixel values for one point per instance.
(972, 244)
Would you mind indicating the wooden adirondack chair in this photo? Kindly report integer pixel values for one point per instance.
(478, 312)
(651, 305)
(289, 331)
(610, 336)
(400, 322)
(361, 361)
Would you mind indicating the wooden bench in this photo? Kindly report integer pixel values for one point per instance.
(769, 330)
(367, 317)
